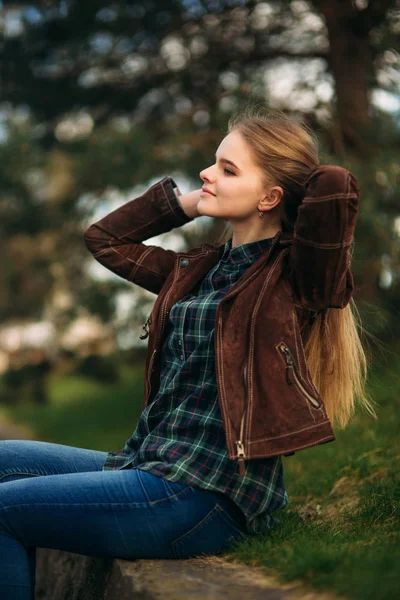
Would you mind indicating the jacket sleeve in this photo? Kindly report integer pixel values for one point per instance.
(116, 240)
(319, 261)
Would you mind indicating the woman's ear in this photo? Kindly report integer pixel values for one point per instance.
(273, 197)
(276, 193)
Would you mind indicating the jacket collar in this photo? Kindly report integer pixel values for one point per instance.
(282, 239)
(244, 253)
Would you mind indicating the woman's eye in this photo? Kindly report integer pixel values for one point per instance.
(228, 172)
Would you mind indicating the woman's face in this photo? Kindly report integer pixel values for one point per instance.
(234, 181)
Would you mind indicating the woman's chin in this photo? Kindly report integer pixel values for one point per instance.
(207, 213)
(206, 209)
(203, 210)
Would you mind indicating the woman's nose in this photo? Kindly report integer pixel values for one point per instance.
(205, 174)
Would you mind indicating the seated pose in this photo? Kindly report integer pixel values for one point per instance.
(253, 354)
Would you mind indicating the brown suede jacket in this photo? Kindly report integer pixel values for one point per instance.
(269, 403)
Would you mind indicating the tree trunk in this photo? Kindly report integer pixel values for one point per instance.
(350, 62)
(351, 67)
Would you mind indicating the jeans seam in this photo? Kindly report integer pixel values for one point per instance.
(142, 486)
(209, 515)
(232, 522)
(185, 489)
(167, 487)
(120, 533)
(19, 473)
(93, 504)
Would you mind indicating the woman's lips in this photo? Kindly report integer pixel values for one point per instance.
(204, 191)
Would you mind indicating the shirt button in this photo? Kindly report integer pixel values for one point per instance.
(180, 342)
(181, 356)
(184, 262)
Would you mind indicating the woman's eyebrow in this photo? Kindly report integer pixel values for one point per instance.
(228, 162)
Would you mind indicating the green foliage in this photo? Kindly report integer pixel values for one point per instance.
(83, 412)
(17, 157)
(109, 158)
(149, 116)
(114, 59)
(99, 368)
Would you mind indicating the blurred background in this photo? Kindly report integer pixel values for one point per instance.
(101, 99)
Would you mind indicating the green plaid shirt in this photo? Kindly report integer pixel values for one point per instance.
(180, 433)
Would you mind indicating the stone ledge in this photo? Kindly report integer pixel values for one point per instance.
(68, 576)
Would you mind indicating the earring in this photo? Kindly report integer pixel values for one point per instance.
(260, 214)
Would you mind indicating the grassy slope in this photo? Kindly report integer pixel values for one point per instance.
(84, 413)
(347, 494)
(341, 529)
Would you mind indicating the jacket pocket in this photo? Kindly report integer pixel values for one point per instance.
(292, 377)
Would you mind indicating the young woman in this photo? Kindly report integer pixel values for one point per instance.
(253, 353)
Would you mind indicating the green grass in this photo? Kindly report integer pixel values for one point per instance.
(341, 529)
(84, 413)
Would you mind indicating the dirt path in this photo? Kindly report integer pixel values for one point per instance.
(12, 431)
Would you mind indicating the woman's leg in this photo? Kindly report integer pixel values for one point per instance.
(21, 459)
(26, 458)
(126, 513)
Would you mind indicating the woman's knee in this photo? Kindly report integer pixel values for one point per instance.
(14, 449)
(14, 445)
(12, 459)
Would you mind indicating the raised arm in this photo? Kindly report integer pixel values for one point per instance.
(319, 261)
(116, 240)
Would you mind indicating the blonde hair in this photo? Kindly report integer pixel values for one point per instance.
(287, 151)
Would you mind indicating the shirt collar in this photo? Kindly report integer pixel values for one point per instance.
(244, 253)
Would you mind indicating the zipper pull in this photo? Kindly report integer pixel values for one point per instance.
(289, 364)
(143, 336)
(241, 459)
(289, 375)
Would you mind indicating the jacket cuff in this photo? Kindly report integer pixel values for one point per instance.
(168, 184)
(330, 180)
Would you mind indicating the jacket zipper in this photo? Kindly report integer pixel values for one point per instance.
(143, 336)
(149, 375)
(239, 443)
(162, 318)
(241, 456)
(291, 376)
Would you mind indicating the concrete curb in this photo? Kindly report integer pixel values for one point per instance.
(68, 576)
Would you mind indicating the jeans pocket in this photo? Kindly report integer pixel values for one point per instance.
(211, 535)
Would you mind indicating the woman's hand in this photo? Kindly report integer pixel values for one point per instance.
(189, 203)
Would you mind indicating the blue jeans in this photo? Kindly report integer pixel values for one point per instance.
(56, 496)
